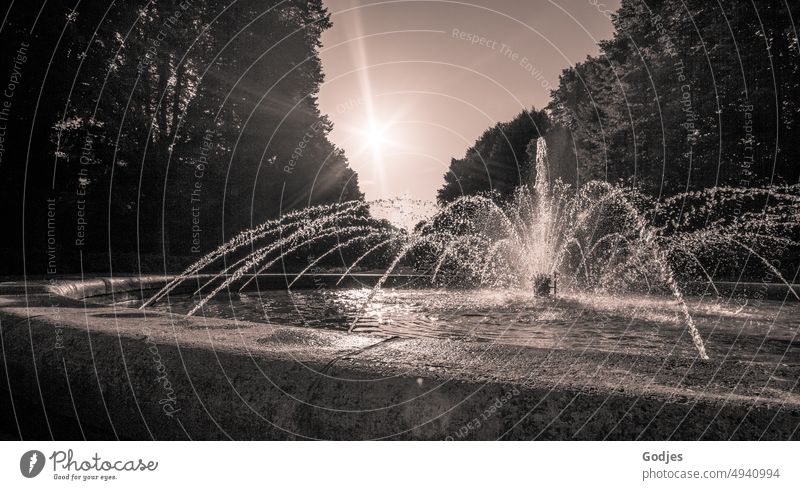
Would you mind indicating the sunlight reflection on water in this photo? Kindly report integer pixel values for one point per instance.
(621, 323)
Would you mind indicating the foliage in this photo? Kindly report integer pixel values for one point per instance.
(687, 95)
(172, 125)
(500, 160)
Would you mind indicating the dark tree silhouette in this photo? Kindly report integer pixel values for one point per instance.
(688, 94)
(166, 127)
(499, 161)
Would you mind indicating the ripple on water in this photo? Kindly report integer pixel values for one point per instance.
(630, 323)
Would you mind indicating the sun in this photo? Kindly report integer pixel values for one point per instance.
(375, 137)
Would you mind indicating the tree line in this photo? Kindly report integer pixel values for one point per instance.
(146, 132)
(687, 95)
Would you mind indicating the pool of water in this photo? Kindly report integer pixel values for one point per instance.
(634, 323)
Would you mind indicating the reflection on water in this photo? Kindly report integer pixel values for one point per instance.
(641, 324)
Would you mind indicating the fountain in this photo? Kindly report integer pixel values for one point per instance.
(599, 238)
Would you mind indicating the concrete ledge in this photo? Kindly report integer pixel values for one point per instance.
(144, 286)
(762, 290)
(77, 288)
(78, 369)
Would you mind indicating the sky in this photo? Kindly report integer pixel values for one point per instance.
(411, 84)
